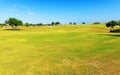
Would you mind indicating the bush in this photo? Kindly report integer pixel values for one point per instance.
(83, 22)
(96, 23)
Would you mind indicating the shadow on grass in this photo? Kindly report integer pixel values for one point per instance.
(12, 29)
(115, 31)
(112, 34)
(116, 35)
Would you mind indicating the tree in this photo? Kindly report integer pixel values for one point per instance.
(53, 23)
(74, 23)
(96, 23)
(57, 23)
(13, 22)
(39, 24)
(111, 24)
(83, 22)
(27, 24)
(70, 23)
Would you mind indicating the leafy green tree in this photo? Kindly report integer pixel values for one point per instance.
(13, 22)
(74, 23)
(27, 24)
(53, 23)
(57, 23)
(39, 24)
(70, 23)
(96, 23)
(111, 24)
(83, 22)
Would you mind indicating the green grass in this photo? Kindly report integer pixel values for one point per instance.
(61, 50)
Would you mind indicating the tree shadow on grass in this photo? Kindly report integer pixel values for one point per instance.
(12, 29)
(115, 31)
(116, 35)
(113, 34)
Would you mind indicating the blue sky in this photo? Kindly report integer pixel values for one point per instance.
(64, 11)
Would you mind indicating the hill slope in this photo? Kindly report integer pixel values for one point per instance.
(61, 50)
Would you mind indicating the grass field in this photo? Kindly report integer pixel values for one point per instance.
(61, 50)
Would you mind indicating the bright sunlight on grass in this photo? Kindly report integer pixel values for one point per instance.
(61, 50)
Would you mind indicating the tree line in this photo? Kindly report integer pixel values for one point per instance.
(14, 23)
